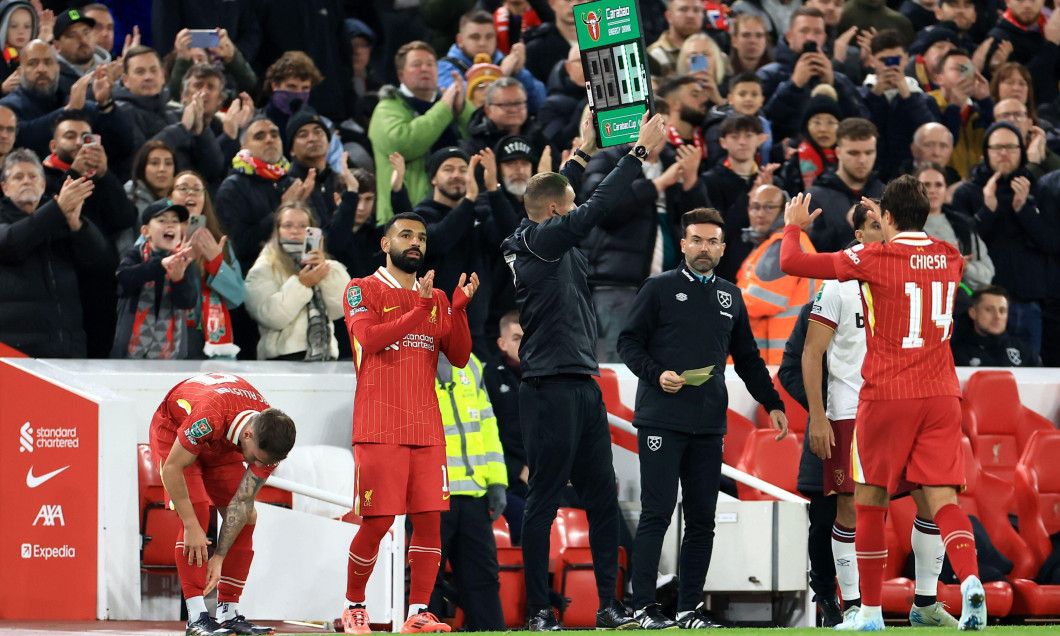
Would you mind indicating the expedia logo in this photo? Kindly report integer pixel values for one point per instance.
(592, 23)
(36, 551)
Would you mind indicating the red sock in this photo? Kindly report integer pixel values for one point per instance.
(236, 566)
(425, 555)
(871, 546)
(192, 578)
(363, 550)
(957, 536)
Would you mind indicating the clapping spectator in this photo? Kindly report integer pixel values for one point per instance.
(222, 287)
(295, 296)
(1002, 197)
(43, 246)
(873, 14)
(1034, 41)
(308, 139)
(38, 101)
(196, 139)
(1041, 160)
(157, 283)
(477, 36)
(414, 120)
(18, 25)
(353, 237)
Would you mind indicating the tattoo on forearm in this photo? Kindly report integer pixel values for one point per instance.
(238, 511)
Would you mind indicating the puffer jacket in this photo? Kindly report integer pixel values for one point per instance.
(279, 304)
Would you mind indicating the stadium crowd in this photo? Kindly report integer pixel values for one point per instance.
(162, 168)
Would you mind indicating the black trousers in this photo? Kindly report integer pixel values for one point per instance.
(567, 438)
(665, 457)
(819, 542)
(468, 545)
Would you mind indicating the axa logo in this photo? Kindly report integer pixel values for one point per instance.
(592, 23)
(49, 515)
(25, 438)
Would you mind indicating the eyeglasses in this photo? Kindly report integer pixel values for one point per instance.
(1012, 116)
(1005, 148)
(188, 190)
(755, 207)
(507, 105)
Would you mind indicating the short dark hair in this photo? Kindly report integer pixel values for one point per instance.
(991, 290)
(275, 433)
(744, 77)
(475, 16)
(403, 216)
(811, 12)
(947, 55)
(702, 215)
(201, 71)
(662, 108)
(885, 39)
(674, 83)
(137, 51)
(740, 123)
(907, 202)
(856, 129)
(415, 45)
(70, 115)
(509, 319)
(365, 181)
(542, 189)
(861, 214)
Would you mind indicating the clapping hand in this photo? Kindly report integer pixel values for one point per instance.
(464, 291)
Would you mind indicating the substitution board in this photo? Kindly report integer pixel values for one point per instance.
(616, 72)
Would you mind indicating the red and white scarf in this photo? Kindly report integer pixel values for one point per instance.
(675, 139)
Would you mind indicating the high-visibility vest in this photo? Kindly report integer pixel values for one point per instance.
(773, 298)
(472, 444)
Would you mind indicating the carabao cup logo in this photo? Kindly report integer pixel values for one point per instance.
(592, 22)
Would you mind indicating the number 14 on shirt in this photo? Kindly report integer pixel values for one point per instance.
(941, 312)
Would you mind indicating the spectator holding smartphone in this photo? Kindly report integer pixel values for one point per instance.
(295, 295)
(960, 88)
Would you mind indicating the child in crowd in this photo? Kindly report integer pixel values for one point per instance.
(157, 282)
(745, 98)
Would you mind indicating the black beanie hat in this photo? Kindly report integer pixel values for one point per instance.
(301, 115)
(816, 105)
(438, 157)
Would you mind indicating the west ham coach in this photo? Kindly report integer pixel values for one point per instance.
(685, 319)
(561, 410)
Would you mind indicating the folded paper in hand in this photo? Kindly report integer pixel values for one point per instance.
(695, 377)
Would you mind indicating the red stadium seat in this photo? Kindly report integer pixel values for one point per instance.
(739, 429)
(159, 525)
(513, 585)
(998, 425)
(774, 461)
(608, 381)
(897, 590)
(573, 576)
(1037, 484)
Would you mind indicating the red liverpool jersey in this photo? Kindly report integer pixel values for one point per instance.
(206, 414)
(396, 336)
(907, 289)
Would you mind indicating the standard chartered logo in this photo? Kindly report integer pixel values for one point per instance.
(30, 439)
(25, 439)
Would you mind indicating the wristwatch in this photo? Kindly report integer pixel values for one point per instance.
(640, 152)
(578, 152)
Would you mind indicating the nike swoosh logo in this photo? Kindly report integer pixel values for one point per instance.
(33, 481)
(445, 496)
(386, 309)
